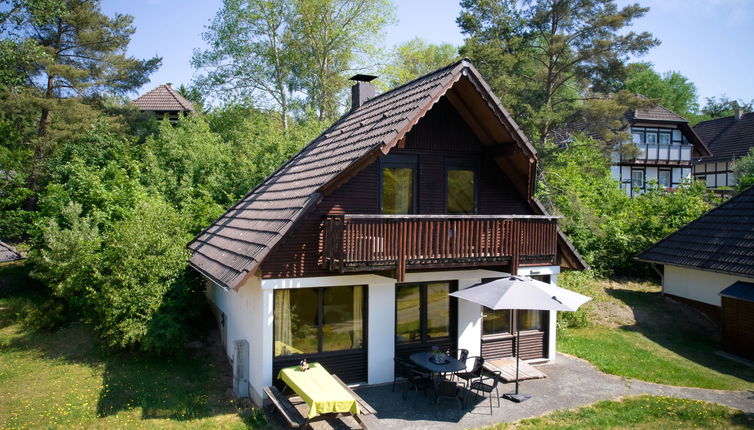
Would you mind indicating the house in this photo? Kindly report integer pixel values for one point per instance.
(728, 138)
(346, 254)
(667, 148)
(164, 101)
(8, 254)
(709, 264)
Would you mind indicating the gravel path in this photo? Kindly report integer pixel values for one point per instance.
(571, 383)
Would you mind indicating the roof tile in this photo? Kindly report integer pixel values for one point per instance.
(163, 98)
(722, 240)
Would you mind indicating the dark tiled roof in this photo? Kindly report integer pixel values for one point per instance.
(726, 137)
(163, 98)
(654, 113)
(8, 254)
(740, 290)
(722, 240)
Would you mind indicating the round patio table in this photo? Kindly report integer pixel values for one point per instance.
(422, 360)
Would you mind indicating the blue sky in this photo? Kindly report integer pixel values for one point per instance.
(709, 41)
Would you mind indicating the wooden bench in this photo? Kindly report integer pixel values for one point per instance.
(284, 406)
(295, 419)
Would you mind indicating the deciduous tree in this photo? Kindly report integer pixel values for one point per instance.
(673, 90)
(415, 58)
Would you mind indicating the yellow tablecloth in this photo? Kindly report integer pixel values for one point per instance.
(319, 390)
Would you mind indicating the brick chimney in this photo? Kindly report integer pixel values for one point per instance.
(362, 90)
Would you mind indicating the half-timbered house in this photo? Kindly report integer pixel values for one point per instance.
(729, 138)
(346, 254)
(668, 146)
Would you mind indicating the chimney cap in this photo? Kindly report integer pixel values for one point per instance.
(362, 78)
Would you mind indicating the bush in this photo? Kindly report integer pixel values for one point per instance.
(606, 226)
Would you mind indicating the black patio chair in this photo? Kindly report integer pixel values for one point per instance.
(460, 354)
(487, 384)
(418, 381)
(448, 390)
(474, 373)
(401, 370)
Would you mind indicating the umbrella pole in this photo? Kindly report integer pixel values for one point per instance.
(516, 396)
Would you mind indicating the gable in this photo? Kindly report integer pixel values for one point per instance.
(234, 246)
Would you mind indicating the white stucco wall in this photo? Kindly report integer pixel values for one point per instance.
(248, 313)
(698, 285)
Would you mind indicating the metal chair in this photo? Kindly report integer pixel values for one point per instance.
(461, 354)
(401, 370)
(448, 390)
(476, 370)
(487, 384)
(418, 381)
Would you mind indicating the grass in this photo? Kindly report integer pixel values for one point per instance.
(636, 333)
(61, 379)
(642, 412)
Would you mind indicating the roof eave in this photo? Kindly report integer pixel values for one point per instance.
(687, 266)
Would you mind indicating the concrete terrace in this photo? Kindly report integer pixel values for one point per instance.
(571, 383)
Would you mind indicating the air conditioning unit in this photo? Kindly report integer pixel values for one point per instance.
(241, 368)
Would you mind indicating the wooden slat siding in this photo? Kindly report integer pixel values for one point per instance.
(440, 134)
(533, 345)
(498, 347)
(443, 130)
(350, 366)
(738, 327)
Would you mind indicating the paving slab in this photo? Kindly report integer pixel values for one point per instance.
(571, 383)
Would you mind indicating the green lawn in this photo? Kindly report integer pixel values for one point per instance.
(643, 412)
(60, 379)
(636, 333)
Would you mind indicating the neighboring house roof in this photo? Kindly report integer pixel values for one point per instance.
(654, 113)
(8, 254)
(721, 240)
(163, 98)
(234, 246)
(727, 137)
(740, 290)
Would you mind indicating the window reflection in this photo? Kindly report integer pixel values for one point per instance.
(408, 313)
(530, 320)
(496, 321)
(438, 310)
(422, 312)
(342, 318)
(397, 190)
(297, 328)
(461, 191)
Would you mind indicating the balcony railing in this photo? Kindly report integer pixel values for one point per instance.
(353, 243)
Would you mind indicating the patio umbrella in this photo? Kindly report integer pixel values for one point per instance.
(521, 292)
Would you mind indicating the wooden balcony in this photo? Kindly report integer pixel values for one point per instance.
(356, 243)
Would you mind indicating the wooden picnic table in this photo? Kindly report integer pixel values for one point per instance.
(322, 392)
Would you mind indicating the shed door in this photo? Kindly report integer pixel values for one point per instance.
(738, 327)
